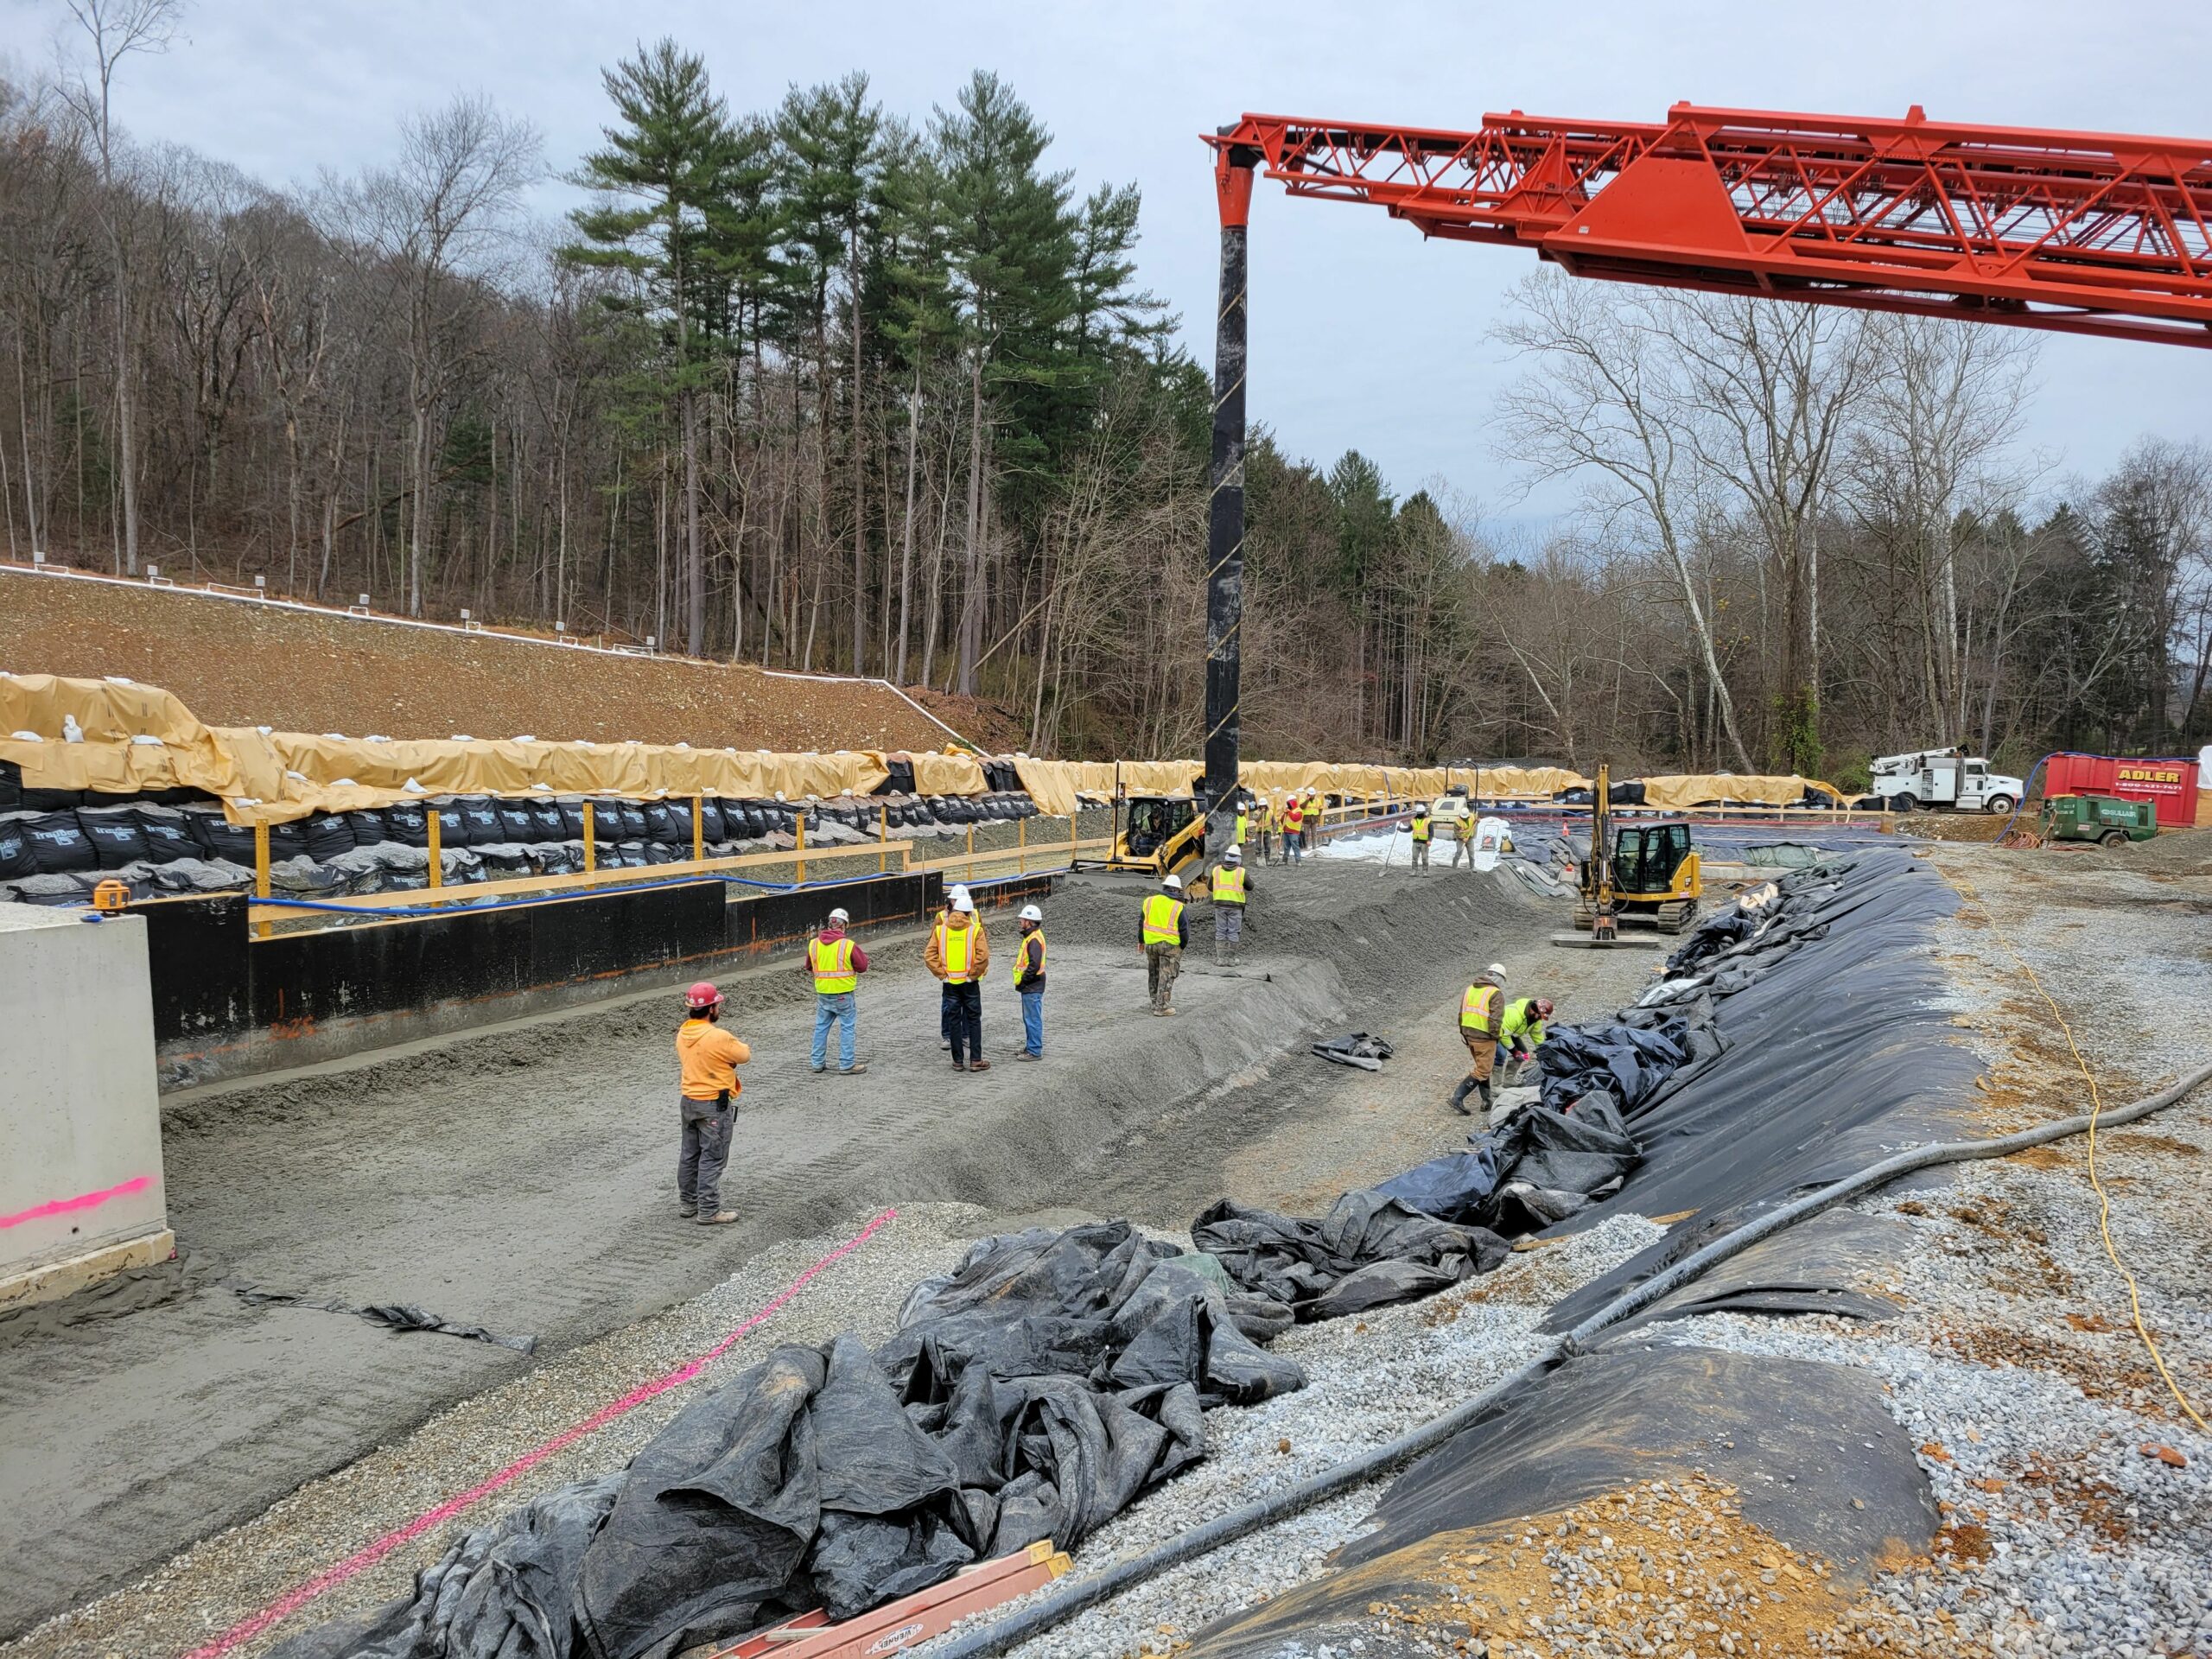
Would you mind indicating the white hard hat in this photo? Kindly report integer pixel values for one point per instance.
(1234, 853)
(1174, 881)
(959, 891)
(840, 916)
(961, 902)
(1496, 970)
(1031, 913)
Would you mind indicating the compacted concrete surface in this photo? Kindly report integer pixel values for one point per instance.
(521, 1180)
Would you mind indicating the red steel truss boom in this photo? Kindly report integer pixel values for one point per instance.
(2094, 233)
(2089, 233)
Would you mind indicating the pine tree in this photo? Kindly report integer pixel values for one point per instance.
(1010, 243)
(656, 181)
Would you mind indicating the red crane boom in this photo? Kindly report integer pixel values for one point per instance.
(2087, 232)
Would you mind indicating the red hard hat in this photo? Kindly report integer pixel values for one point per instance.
(702, 996)
(1543, 1006)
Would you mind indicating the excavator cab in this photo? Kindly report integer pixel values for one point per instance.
(1639, 872)
(1159, 833)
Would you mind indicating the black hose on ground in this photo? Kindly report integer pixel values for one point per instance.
(993, 1640)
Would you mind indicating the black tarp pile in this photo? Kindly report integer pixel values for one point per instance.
(1368, 1250)
(1031, 1394)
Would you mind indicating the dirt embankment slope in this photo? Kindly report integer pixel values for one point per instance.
(239, 665)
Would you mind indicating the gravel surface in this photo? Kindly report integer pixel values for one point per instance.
(1369, 1381)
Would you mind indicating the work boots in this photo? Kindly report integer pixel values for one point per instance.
(1459, 1097)
(1483, 1089)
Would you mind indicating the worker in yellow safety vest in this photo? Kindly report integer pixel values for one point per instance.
(1029, 983)
(1243, 819)
(1422, 831)
(1522, 1033)
(836, 963)
(1162, 939)
(1231, 889)
(1294, 829)
(1481, 1016)
(958, 953)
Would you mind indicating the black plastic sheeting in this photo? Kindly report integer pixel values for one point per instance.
(1825, 1264)
(393, 1316)
(1540, 1167)
(1791, 1436)
(1367, 1251)
(1853, 1055)
(1034, 1393)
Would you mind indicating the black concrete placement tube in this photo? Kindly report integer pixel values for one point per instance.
(1232, 176)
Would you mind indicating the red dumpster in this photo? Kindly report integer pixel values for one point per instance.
(2167, 782)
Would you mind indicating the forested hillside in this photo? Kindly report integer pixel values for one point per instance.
(837, 387)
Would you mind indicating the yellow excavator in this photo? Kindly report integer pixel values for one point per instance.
(1640, 872)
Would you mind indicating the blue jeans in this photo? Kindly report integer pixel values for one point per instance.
(1033, 1022)
(839, 1009)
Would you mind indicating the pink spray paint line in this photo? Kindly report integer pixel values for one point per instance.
(82, 1201)
(330, 1577)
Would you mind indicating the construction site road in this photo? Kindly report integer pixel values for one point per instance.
(520, 1179)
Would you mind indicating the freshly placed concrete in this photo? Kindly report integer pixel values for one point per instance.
(82, 1193)
(521, 1179)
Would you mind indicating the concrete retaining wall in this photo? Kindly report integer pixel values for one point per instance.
(81, 1191)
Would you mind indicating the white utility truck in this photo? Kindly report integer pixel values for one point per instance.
(1943, 777)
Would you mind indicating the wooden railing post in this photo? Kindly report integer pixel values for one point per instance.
(698, 829)
(261, 870)
(591, 840)
(882, 837)
(436, 843)
(802, 848)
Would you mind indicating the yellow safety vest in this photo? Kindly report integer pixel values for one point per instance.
(1475, 1006)
(958, 942)
(1228, 886)
(1423, 829)
(1240, 828)
(1521, 1016)
(833, 966)
(1020, 948)
(1161, 918)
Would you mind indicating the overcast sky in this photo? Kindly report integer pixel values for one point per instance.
(1363, 335)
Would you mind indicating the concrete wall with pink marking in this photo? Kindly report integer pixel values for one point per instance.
(80, 1131)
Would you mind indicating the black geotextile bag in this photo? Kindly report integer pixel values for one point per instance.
(480, 815)
(516, 824)
(572, 822)
(546, 823)
(633, 821)
(1367, 1251)
(15, 858)
(712, 821)
(368, 826)
(327, 836)
(406, 824)
(59, 844)
(114, 831)
(168, 837)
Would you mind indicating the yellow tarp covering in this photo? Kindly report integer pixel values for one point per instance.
(946, 774)
(1683, 790)
(277, 776)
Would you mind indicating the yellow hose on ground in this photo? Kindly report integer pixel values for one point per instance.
(2104, 1199)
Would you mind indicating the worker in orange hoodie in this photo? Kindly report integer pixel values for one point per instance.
(958, 953)
(710, 1058)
